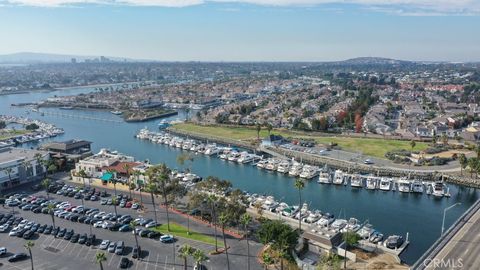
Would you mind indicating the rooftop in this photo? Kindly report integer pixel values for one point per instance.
(12, 153)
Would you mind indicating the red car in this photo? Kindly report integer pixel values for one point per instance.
(128, 205)
(69, 209)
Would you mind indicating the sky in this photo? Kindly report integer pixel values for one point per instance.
(244, 30)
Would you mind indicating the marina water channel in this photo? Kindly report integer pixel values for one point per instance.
(389, 212)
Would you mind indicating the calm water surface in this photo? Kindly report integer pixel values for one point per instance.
(389, 212)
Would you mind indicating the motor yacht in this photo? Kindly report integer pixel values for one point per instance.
(385, 184)
(313, 217)
(404, 186)
(324, 178)
(303, 213)
(366, 231)
(438, 189)
(309, 172)
(290, 211)
(262, 163)
(352, 225)
(394, 241)
(372, 182)
(376, 237)
(211, 149)
(233, 156)
(326, 220)
(417, 186)
(339, 224)
(338, 178)
(283, 167)
(272, 165)
(246, 157)
(296, 169)
(356, 181)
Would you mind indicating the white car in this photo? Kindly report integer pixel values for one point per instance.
(99, 215)
(151, 224)
(98, 224)
(3, 251)
(104, 245)
(23, 223)
(135, 206)
(14, 231)
(4, 228)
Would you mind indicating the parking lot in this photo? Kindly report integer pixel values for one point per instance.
(56, 253)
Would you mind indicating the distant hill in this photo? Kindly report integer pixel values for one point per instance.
(374, 61)
(32, 58)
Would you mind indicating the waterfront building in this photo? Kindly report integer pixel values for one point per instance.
(68, 152)
(19, 166)
(94, 165)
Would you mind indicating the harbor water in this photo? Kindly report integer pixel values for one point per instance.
(389, 212)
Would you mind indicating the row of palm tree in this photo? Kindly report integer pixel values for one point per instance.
(186, 251)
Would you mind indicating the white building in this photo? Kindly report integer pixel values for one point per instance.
(19, 166)
(93, 165)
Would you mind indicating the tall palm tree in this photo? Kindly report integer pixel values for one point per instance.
(137, 174)
(26, 165)
(223, 221)
(28, 246)
(185, 251)
(350, 239)
(153, 189)
(40, 162)
(100, 257)
(300, 185)
(163, 186)
(83, 175)
(113, 181)
(8, 171)
(126, 167)
(45, 183)
(258, 128)
(245, 220)
(51, 209)
(114, 202)
(199, 257)
(462, 159)
(212, 200)
(133, 224)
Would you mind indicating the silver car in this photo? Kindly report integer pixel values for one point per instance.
(112, 246)
(104, 245)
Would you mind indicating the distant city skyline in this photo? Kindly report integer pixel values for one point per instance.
(244, 30)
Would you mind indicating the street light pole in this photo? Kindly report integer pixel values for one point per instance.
(444, 213)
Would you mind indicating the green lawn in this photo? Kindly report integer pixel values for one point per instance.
(178, 230)
(370, 147)
(7, 135)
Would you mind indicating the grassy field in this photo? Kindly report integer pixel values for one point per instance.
(370, 147)
(8, 134)
(178, 230)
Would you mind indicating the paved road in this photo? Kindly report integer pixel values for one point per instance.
(462, 251)
(66, 255)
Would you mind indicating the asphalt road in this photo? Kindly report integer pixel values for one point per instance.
(462, 251)
(51, 253)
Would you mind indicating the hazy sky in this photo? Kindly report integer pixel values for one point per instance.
(244, 30)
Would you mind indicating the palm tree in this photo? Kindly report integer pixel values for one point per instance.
(28, 246)
(51, 209)
(26, 165)
(269, 128)
(267, 260)
(299, 184)
(472, 164)
(223, 221)
(444, 139)
(412, 144)
(137, 175)
(100, 258)
(152, 189)
(258, 128)
(83, 175)
(40, 161)
(45, 183)
(350, 238)
(199, 257)
(212, 200)
(462, 159)
(185, 252)
(133, 224)
(114, 202)
(126, 167)
(114, 181)
(245, 220)
(8, 171)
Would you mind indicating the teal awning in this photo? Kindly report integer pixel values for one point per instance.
(107, 176)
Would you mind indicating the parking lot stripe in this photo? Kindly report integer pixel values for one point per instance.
(111, 259)
(146, 264)
(156, 261)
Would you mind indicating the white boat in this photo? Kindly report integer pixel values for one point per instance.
(245, 158)
(313, 217)
(303, 213)
(324, 178)
(353, 225)
(272, 165)
(366, 231)
(283, 167)
(339, 224)
(417, 186)
(262, 163)
(309, 172)
(356, 181)
(296, 169)
(211, 149)
(404, 186)
(385, 184)
(233, 156)
(116, 112)
(338, 178)
(326, 220)
(438, 189)
(372, 182)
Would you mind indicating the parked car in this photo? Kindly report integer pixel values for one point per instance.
(119, 247)
(17, 257)
(167, 238)
(104, 245)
